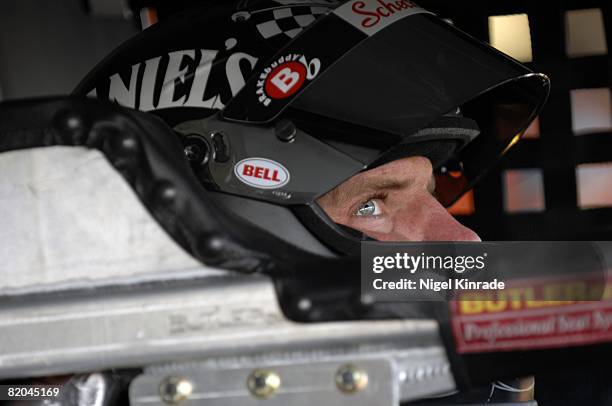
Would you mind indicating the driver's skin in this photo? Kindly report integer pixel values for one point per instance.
(395, 202)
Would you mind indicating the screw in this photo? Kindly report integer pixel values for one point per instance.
(165, 192)
(263, 383)
(192, 152)
(285, 131)
(241, 16)
(72, 127)
(174, 389)
(196, 149)
(211, 246)
(304, 304)
(351, 379)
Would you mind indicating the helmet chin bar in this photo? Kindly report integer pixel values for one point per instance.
(342, 239)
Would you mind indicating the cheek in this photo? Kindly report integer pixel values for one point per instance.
(425, 219)
(372, 226)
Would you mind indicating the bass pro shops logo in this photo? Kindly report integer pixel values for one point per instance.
(285, 77)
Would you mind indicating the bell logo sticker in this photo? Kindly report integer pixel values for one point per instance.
(285, 80)
(261, 173)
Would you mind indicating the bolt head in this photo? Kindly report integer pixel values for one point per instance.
(174, 389)
(240, 16)
(304, 304)
(196, 149)
(129, 144)
(211, 246)
(72, 126)
(165, 192)
(192, 152)
(285, 131)
(351, 379)
(263, 383)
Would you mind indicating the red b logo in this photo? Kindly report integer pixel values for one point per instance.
(285, 80)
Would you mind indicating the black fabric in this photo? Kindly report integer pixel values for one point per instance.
(437, 152)
(438, 142)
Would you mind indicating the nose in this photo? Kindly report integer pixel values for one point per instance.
(425, 219)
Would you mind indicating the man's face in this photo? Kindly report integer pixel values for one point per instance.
(395, 202)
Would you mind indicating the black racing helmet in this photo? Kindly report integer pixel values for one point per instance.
(277, 102)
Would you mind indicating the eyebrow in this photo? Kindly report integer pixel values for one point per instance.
(345, 194)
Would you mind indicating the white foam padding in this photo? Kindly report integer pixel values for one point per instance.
(66, 216)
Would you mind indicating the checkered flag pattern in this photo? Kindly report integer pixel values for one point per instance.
(285, 23)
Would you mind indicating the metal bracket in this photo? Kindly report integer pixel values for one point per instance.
(230, 325)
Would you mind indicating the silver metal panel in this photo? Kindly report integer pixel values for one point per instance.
(231, 316)
(423, 372)
(417, 372)
(301, 385)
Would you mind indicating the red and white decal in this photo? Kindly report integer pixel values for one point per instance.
(285, 80)
(371, 16)
(524, 318)
(285, 77)
(262, 173)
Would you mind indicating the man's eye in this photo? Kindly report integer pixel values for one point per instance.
(369, 208)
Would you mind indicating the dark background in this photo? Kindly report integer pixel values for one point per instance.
(558, 150)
